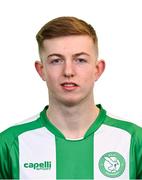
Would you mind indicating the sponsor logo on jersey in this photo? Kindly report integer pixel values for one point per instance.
(46, 165)
(112, 164)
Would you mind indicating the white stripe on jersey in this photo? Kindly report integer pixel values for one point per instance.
(111, 139)
(37, 146)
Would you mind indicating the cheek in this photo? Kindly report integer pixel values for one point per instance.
(51, 78)
(88, 76)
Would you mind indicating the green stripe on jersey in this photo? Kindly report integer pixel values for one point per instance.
(74, 158)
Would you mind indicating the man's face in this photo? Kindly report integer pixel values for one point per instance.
(70, 68)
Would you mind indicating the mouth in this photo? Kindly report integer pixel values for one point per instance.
(69, 86)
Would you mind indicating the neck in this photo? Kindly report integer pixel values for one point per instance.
(73, 121)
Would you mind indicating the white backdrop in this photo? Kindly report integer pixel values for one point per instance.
(119, 27)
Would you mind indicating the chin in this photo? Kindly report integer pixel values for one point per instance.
(71, 102)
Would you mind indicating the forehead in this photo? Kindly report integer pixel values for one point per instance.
(69, 44)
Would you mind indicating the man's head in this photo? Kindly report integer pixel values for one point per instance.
(66, 26)
(69, 63)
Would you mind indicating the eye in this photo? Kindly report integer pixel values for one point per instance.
(81, 60)
(56, 61)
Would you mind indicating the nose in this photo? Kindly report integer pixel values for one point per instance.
(69, 69)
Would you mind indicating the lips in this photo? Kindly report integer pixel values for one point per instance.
(69, 86)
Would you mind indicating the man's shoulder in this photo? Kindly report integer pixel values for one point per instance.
(124, 125)
(9, 135)
(133, 129)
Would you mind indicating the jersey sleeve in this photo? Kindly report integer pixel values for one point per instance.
(138, 152)
(5, 172)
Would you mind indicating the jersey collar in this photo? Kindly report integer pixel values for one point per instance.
(93, 128)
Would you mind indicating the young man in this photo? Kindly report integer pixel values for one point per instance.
(72, 138)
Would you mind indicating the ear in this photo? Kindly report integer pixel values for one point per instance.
(40, 69)
(100, 67)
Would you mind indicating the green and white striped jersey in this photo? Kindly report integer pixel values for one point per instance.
(36, 149)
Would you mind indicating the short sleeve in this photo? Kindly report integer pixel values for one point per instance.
(138, 153)
(4, 159)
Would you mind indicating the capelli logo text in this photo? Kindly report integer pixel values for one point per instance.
(46, 165)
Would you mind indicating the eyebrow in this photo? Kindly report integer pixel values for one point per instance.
(81, 53)
(55, 54)
(75, 55)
